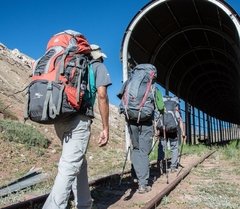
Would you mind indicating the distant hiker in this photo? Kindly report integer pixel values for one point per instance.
(74, 133)
(169, 128)
(137, 104)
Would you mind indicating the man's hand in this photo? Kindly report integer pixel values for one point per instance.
(103, 139)
(103, 105)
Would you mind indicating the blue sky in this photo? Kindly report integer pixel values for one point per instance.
(27, 25)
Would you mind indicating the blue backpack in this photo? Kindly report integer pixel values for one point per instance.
(137, 97)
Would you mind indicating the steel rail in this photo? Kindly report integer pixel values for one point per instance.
(30, 203)
(39, 200)
(155, 201)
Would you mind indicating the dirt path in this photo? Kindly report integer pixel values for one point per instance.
(213, 184)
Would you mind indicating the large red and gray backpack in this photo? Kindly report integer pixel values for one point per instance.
(59, 78)
(137, 94)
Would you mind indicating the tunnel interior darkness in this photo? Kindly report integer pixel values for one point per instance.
(194, 44)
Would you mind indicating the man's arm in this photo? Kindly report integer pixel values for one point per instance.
(180, 122)
(181, 127)
(103, 105)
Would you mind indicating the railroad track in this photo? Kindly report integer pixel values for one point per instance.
(107, 192)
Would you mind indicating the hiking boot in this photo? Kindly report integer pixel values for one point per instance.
(133, 174)
(144, 189)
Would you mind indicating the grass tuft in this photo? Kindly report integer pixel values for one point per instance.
(15, 131)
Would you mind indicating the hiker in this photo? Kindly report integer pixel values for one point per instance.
(170, 135)
(137, 104)
(74, 133)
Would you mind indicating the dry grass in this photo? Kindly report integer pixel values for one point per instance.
(17, 159)
(215, 184)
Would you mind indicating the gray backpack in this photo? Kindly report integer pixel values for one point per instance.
(137, 97)
(168, 119)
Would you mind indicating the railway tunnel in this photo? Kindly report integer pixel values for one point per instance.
(195, 47)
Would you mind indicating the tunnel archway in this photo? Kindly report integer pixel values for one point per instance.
(195, 46)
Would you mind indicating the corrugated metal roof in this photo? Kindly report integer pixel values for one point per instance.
(195, 46)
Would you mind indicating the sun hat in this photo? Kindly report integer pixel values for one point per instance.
(96, 52)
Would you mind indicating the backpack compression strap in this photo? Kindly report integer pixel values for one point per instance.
(152, 74)
(48, 103)
(81, 65)
(71, 48)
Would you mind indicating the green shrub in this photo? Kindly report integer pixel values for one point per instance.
(21, 133)
(231, 151)
(195, 149)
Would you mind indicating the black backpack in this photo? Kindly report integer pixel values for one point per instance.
(168, 119)
(137, 96)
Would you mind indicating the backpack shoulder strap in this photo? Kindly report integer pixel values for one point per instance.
(149, 87)
(91, 83)
(153, 89)
(122, 90)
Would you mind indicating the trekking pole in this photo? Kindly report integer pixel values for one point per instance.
(165, 155)
(124, 165)
(180, 156)
(155, 142)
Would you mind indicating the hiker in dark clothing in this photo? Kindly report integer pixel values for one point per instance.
(141, 136)
(173, 138)
(137, 103)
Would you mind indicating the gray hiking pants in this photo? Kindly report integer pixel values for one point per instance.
(162, 147)
(141, 137)
(72, 175)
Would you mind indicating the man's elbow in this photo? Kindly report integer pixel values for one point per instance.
(103, 98)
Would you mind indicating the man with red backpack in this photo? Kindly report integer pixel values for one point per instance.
(74, 133)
